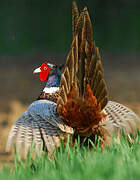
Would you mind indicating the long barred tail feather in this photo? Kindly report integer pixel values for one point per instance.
(83, 77)
(83, 64)
(75, 16)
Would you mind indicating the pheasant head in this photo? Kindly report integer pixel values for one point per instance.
(51, 74)
(44, 70)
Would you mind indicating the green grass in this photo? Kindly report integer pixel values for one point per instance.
(119, 161)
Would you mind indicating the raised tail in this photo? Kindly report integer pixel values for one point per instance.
(83, 91)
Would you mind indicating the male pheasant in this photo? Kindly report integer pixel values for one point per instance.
(80, 106)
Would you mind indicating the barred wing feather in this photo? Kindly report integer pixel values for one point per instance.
(121, 118)
(38, 125)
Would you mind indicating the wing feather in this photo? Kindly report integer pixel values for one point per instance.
(39, 125)
(28, 137)
(122, 117)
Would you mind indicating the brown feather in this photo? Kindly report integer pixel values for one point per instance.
(82, 114)
(82, 82)
(75, 15)
(83, 64)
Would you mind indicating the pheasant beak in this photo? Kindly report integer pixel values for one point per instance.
(38, 70)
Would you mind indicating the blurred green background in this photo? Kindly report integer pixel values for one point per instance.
(31, 26)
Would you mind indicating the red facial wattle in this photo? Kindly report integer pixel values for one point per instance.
(45, 69)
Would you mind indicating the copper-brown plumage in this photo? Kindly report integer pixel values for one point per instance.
(82, 114)
(83, 89)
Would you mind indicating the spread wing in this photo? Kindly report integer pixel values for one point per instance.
(83, 64)
(38, 126)
(121, 118)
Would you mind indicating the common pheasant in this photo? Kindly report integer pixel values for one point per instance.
(81, 106)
